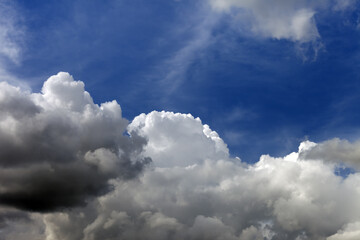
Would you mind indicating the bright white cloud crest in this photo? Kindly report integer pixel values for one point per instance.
(193, 189)
(178, 139)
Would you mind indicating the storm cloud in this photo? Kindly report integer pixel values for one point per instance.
(57, 147)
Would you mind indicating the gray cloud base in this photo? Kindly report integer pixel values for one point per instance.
(58, 148)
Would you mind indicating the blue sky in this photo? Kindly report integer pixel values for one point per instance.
(262, 93)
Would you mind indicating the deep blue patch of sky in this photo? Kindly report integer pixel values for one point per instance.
(258, 94)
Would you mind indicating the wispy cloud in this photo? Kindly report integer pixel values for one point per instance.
(293, 21)
(175, 68)
(12, 33)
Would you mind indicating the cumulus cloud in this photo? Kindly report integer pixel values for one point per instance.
(335, 151)
(193, 188)
(57, 147)
(169, 135)
(292, 20)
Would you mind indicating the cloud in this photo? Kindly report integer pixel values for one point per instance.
(11, 31)
(194, 190)
(174, 69)
(18, 225)
(52, 142)
(351, 232)
(277, 19)
(335, 151)
(169, 133)
(342, 5)
(12, 35)
(291, 20)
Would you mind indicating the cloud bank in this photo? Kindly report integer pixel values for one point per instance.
(60, 149)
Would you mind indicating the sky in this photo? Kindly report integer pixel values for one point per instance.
(206, 119)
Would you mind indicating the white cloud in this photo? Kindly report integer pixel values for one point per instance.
(193, 190)
(292, 20)
(169, 133)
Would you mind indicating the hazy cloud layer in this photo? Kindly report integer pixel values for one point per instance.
(192, 189)
(57, 147)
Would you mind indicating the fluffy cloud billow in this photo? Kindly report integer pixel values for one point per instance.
(60, 147)
(57, 147)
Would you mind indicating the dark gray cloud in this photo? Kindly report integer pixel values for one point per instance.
(20, 225)
(12, 215)
(58, 148)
